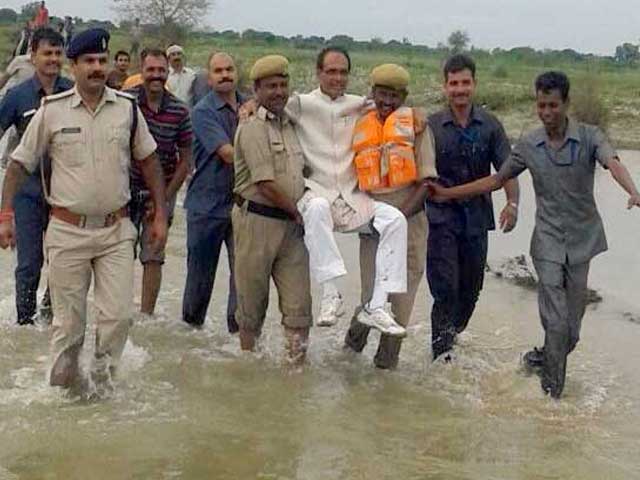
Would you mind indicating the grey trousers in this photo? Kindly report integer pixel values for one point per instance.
(562, 297)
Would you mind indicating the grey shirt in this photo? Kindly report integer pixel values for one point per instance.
(568, 227)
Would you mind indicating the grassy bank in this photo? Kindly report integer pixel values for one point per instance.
(504, 84)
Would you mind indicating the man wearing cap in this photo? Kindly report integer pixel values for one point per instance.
(31, 213)
(209, 197)
(267, 226)
(170, 125)
(402, 186)
(324, 121)
(181, 77)
(90, 133)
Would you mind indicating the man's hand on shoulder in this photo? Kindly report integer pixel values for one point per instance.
(247, 110)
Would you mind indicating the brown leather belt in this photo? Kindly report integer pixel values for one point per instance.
(89, 221)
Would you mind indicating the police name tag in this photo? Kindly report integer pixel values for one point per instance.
(71, 130)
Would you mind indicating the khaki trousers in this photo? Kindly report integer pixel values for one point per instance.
(268, 248)
(75, 255)
(401, 303)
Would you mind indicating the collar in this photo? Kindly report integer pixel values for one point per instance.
(318, 92)
(141, 93)
(572, 133)
(218, 103)
(267, 116)
(108, 95)
(475, 116)
(58, 85)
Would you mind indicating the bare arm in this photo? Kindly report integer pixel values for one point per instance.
(413, 204)
(182, 170)
(471, 189)
(621, 175)
(225, 152)
(14, 178)
(272, 192)
(154, 179)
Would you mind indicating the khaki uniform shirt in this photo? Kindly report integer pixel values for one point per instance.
(267, 148)
(90, 151)
(325, 129)
(568, 226)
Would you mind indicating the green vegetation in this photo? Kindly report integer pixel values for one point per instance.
(605, 90)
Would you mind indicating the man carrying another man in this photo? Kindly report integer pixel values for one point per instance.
(267, 225)
(170, 126)
(324, 121)
(392, 163)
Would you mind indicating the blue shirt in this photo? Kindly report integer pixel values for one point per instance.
(18, 107)
(214, 124)
(21, 102)
(464, 155)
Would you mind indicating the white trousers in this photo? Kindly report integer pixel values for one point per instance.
(325, 259)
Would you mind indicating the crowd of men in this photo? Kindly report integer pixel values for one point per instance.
(94, 181)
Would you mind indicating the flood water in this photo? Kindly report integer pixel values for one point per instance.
(189, 405)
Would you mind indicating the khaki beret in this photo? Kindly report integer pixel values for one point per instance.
(390, 75)
(269, 66)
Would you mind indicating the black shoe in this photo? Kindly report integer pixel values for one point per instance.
(25, 321)
(232, 325)
(534, 359)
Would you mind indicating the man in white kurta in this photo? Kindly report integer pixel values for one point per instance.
(324, 120)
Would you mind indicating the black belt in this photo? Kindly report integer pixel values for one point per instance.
(260, 209)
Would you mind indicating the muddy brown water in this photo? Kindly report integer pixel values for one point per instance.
(189, 405)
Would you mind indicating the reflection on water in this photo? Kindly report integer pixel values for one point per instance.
(190, 405)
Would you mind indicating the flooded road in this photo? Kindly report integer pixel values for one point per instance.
(189, 405)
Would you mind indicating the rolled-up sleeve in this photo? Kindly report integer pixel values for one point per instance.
(515, 163)
(34, 142)
(603, 151)
(143, 143)
(209, 130)
(425, 155)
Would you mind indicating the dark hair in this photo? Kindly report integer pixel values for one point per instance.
(46, 34)
(116, 79)
(121, 53)
(153, 52)
(553, 80)
(332, 49)
(457, 63)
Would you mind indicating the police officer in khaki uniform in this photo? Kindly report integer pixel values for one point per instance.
(267, 226)
(389, 91)
(90, 134)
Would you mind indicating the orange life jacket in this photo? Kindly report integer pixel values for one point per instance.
(385, 154)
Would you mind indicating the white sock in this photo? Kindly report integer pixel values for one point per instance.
(378, 299)
(329, 289)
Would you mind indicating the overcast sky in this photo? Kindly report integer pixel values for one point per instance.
(596, 26)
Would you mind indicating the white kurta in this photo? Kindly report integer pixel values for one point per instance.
(181, 84)
(325, 130)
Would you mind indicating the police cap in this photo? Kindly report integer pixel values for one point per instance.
(94, 40)
(269, 66)
(390, 75)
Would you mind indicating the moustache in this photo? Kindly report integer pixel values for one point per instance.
(97, 76)
(157, 79)
(225, 80)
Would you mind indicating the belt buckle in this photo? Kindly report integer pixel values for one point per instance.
(93, 222)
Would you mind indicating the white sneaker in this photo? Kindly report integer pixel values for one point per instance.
(330, 309)
(381, 319)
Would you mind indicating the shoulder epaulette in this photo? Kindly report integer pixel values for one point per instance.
(124, 95)
(57, 96)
